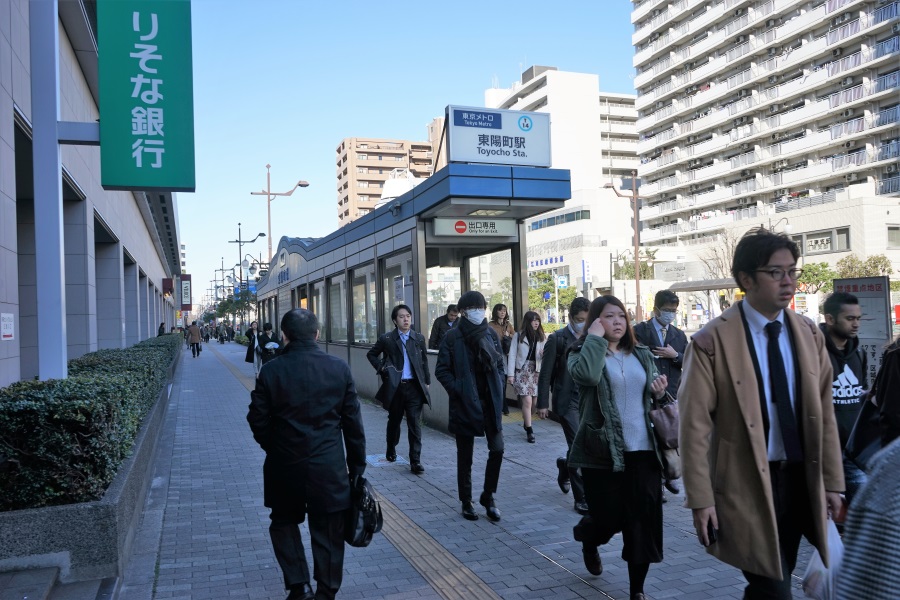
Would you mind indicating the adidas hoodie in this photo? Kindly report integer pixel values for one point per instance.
(849, 385)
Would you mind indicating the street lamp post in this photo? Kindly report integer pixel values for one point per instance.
(639, 313)
(240, 244)
(269, 194)
(787, 224)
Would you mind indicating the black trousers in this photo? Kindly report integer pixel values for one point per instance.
(792, 515)
(195, 348)
(569, 422)
(409, 401)
(465, 446)
(326, 532)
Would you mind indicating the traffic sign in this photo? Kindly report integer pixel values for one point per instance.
(547, 295)
(562, 282)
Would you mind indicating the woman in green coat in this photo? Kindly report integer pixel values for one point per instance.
(614, 446)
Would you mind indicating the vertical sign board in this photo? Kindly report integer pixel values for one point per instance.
(7, 327)
(146, 95)
(875, 329)
(498, 137)
(186, 293)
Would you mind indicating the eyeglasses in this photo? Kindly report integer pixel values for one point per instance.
(778, 274)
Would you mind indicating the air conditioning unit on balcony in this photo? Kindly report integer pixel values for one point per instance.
(837, 52)
(773, 22)
(656, 12)
(895, 28)
(740, 121)
(851, 177)
(780, 193)
(692, 139)
(850, 144)
(659, 105)
(745, 173)
(774, 108)
(781, 164)
(654, 37)
(840, 19)
(773, 78)
(891, 169)
(746, 146)
(696, 162)
(848, 112)
(739, 12)
(740, 39)
(693, 88)
(776, 136)
(694, 188)
(743, 201)
(847, 81)
(773, 51)
(743, 93)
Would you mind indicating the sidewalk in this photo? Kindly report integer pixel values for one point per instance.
(204, 531)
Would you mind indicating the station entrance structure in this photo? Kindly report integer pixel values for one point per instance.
(461, 229)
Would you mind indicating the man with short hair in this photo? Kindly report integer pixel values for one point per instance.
(193, 337)
(848, 363)
(668, 344)
(555, 376)
(401, 359)
(304, 412)
(441, 326)
(759, 443)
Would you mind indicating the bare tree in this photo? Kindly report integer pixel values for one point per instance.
(718, 258)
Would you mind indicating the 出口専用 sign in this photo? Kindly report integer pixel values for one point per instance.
(501, 137)
(471, 227)
(146, 95)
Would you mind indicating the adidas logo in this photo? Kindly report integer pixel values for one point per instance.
(846, 388)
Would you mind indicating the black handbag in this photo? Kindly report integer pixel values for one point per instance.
(364, 517)
(865, 438)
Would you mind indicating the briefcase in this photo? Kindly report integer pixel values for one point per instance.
(364, 517)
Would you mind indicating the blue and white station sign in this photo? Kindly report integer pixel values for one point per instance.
(498, 137)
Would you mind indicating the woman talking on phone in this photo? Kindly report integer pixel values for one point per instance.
(614, 446)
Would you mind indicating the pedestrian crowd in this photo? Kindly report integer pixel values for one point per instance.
(767, 402)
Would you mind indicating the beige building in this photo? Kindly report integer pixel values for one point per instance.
(363, 166)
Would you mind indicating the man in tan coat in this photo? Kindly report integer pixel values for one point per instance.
(759, 443)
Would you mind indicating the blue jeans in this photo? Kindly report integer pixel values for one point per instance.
(854, 479)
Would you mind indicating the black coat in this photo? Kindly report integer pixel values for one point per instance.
(555, 373)
(267, 355)
(387, 358)
(251, 346)
(455, 369)
(303, 413)
(439, 330)
(670, 367)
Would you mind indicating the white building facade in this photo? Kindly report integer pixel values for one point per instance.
(593, 134)
(778, 112)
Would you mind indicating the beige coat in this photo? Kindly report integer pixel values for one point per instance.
(723, 445)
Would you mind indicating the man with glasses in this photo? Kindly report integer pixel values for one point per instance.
(759, 442)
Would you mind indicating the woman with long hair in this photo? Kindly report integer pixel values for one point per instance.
(501, 325)
(614, 446)
(523, 365)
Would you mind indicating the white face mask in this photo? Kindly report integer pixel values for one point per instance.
(475, 315)
(666, 317)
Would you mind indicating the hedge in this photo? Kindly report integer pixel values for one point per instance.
(62, 440)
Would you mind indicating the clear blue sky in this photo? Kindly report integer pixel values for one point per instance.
(283, 81)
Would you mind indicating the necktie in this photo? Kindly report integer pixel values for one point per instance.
(781, 395)
(662, 335)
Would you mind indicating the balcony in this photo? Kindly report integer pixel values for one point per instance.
(889, 186)
(644, 9)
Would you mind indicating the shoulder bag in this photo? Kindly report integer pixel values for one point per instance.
(664, 418)
(364, 517)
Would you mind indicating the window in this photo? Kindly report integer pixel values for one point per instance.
(822, 242)
(362, 156)
(397, 275)
(317, 303)
(362, 184)
(893, 236)
(337, 309)
(365, 323)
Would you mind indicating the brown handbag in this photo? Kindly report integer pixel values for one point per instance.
(664, 418)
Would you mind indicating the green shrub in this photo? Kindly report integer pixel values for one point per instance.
(62, 440)
(242, 340)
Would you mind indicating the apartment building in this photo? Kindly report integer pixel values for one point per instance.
(363, 166)
(772, 112)
(594, 135)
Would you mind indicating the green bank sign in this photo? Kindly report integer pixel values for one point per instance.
(146, 95)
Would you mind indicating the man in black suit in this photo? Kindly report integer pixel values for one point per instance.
(304, 404)
(400, 357)
(667, 343)
(441, 326)
(555, 376)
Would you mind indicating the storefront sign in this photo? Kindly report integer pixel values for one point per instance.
(875, 330)
(146, 95)
(475, 227)
(7, 327)
(499, 137)
(186, 293)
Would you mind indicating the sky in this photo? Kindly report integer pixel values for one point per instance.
(282, 82)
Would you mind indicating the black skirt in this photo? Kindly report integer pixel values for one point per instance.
(629, 502)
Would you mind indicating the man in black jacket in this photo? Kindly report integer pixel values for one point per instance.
(555, 376)
(667, 343)
(401, 359)
(848, 365)
(304, 404)
(441, 326)
(470, 366)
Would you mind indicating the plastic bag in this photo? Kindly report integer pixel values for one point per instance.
(819, 581)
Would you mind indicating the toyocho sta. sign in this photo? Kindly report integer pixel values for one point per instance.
(146, 95)
(499, 137)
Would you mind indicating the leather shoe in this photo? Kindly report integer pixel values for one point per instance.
(592, 561)
(672, 486)
(302, 591)
(563, 478)
(468, 511)
(640, 596)
(487, 501)
(390, 455)
(417, 468)
(581, 507)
